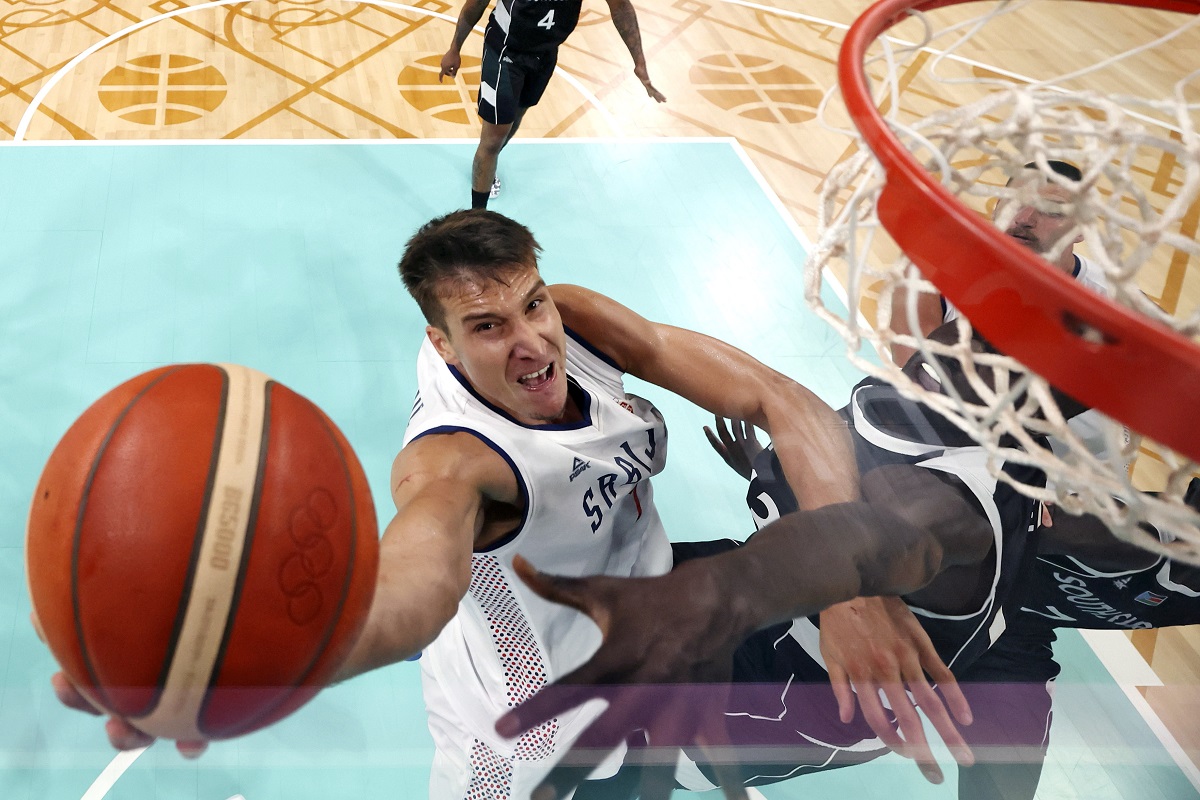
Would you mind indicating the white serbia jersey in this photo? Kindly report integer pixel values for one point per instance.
(589, 510)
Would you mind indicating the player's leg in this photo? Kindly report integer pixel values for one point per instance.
(498, 109)
(1009, 689)
(483, 168)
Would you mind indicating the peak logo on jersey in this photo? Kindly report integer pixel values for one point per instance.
(1121, 583)
(626, 405)
(579, 466)
(1150, 598)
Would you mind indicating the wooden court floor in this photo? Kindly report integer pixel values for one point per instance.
(82, 70)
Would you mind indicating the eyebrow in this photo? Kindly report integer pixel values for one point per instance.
(482, 315)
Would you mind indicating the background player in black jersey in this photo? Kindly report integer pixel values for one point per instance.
(520, 49)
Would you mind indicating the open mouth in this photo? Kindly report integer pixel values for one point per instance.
(538, 379)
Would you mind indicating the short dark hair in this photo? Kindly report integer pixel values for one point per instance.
(1064, 168)
(473, 244)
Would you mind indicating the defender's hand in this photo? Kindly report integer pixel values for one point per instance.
(876, 644)
(647, 671)
(735, 443)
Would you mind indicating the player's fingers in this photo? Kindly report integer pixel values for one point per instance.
(909, 723)
(557, 588)
(723, 430)
(548, 703)
(722, 756)
(71, 697)
(191, 750)
(935, 710)
(877, 717)
(931, 704)
(716, 443)
(940, 676)
(124, 736)
(842, 690)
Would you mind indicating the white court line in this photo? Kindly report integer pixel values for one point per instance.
(115, 769)
(1130, 671)
(40, 97)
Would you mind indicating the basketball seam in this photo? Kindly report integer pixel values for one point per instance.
(75, 540)
(247, 546)
(197, 541)
(249, 723)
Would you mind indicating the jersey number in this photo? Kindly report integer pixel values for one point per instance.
(548, 20)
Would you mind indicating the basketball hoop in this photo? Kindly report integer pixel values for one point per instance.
(1122, 355)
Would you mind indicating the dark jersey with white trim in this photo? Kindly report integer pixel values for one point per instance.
(890, 429)
(1066, 593)
(531, 26)
(785, 705)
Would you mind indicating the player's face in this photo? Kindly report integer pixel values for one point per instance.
(1042, 226)
(507, 339)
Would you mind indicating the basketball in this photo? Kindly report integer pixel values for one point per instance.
(201, 551)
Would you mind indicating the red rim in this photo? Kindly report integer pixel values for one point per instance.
(1143, 375)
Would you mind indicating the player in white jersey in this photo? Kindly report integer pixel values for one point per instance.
(588, 507)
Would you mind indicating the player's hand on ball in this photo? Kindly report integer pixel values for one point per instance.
(121, 734)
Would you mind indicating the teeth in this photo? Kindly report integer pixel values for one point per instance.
(534, 375)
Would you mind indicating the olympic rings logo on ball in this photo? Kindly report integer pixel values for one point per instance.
(300, 572)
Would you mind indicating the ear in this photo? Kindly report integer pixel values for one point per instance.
(441, 343)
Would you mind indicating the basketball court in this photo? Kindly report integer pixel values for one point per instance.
(259, 240)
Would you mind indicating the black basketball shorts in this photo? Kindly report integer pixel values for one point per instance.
(512, 81)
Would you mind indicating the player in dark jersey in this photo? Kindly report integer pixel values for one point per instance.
(520, 49)
(959, 611)
(1104, 584)
(915, 464)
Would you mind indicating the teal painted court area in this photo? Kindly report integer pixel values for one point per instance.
(118, 259)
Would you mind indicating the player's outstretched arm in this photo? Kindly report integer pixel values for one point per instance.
(811, 439)
(471, 13)
(440, 484)
(624, 18)
(648, 663)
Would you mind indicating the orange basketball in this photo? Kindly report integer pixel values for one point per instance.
(201, 551)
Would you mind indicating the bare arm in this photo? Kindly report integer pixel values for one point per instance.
(440, 484)
(929, 316)
(810, 438)
(471, 12)
(624, 18)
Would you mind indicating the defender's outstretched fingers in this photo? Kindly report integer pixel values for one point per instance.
(908, 721)
(557, 588)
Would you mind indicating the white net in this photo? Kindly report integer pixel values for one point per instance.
(1130, 215)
